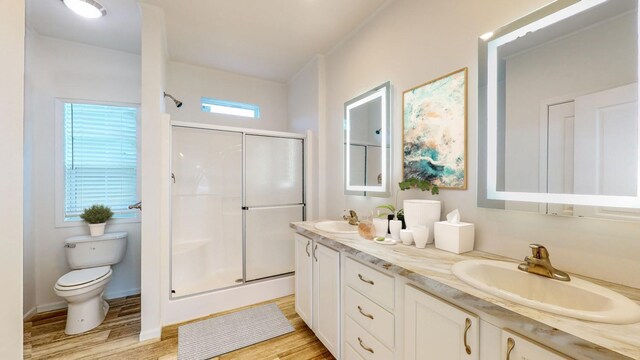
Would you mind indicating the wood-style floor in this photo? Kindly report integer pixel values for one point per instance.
(117, 338)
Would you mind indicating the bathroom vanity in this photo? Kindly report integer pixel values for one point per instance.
(369, 301)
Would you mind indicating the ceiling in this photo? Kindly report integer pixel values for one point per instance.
(119, 30)
(269, 39)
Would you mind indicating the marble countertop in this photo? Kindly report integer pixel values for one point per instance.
(431, 268)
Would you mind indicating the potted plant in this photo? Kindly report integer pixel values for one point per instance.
(421, 211)
(97, 216)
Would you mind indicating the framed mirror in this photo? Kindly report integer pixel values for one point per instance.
(558, 111)
(367, 140)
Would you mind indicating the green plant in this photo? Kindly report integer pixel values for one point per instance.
(424, 185)
(390, 208)
(97, 214)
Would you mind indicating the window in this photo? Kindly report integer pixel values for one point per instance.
(217, 106)
(100, 158)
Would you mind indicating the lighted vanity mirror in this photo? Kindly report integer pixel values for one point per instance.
(558, 111)
(367, 143)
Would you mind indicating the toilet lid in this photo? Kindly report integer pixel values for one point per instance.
(83, 276)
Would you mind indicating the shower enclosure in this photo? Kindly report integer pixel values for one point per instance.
(234, 192)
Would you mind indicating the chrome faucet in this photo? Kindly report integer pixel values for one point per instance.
(352, 218)
(539, 263)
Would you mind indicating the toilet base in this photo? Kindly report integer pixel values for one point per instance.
(86, 315)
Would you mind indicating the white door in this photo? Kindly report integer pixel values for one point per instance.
(515, 347)
(273, 171)
(269, 240)
(326, 286)
(606, 132)
(437, 330)
(304, 278)
(558, 175)
(206, 215)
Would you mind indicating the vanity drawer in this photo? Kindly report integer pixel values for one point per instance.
(365, 344)
(371, 316)
(370, 282)
(350, 354)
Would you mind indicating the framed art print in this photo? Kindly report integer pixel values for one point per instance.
(434, 118)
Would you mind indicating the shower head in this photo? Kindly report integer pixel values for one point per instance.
(177, 102)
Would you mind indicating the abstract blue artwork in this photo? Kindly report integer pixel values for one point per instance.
(434, 137)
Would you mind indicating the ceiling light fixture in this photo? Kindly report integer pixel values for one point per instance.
(86, 8)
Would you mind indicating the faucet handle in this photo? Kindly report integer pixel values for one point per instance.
(538, 251)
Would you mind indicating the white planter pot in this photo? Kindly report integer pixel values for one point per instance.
(97, 229)
(394, 227)
(422, 212)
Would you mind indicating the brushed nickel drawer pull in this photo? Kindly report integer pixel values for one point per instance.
(365, 280)
(467, 326)
(307, 247)
(315, 248)
(365, 347)
(510, 345)
(364, 314)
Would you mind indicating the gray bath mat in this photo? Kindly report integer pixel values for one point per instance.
(212, 337)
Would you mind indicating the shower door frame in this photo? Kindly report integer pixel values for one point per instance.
(244, 132)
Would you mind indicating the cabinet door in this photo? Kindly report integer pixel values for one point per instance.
(437, 330)
(304, 278)
(326, 272)
(515, 347)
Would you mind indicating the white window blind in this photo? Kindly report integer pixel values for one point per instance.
(100, 158)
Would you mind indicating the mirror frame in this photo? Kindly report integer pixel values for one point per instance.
(488, 195)
(384, 93)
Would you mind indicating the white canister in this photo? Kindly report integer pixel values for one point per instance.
(420, 235)
(422, 212)
(394, 227)
(406, 236)
(381, 225)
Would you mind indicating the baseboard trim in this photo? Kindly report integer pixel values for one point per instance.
(51, 306)
(29, 313)
(121, 293)
(150, 334)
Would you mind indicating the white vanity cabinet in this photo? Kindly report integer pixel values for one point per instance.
(317, 287)
(368, 313)
(516, 347)
(434, 329)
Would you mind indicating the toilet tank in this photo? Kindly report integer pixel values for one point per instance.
(90, 251)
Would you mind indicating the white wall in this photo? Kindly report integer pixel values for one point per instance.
(414, 41)
(153, 158)
(11, 186)
(306, 104)
(62, 69)
(29, 238)
(188, 83)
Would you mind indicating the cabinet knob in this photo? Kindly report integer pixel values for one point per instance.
(365, 347)
(365, 280)
(510, 345)
(467, 326)
(364, 313)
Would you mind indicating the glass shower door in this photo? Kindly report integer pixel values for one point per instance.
(206, 218)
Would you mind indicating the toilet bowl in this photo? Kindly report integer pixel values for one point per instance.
(83, 290)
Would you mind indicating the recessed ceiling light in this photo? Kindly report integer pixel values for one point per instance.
(86, 8)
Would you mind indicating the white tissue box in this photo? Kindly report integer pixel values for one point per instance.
(455, 238)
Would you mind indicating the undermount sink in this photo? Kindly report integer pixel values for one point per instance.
(577, 298)
(337, 227)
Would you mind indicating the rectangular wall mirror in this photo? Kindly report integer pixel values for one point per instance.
(558, 111)
(367, 141)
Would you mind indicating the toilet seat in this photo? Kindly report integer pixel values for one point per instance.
(78, 279)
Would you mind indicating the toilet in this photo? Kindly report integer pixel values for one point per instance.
(90, 259)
